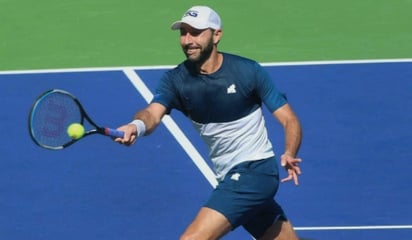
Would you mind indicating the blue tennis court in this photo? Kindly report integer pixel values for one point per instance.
(357, 123)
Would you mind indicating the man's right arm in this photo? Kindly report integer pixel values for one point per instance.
(145, 122)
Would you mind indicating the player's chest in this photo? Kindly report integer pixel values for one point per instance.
(206, 91)
(215, 99)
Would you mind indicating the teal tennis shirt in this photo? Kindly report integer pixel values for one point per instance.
(225, 107)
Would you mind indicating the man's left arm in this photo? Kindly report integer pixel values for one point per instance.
(293, 138)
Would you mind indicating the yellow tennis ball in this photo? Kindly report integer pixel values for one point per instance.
(75, 131)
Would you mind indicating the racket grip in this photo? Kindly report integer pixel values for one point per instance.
(113, 132)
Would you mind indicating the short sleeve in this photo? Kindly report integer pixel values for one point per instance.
(267, 90)
(166, 93)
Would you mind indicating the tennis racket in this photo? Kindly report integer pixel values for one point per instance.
(52, 113)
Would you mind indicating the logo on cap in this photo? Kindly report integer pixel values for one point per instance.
(191, 13)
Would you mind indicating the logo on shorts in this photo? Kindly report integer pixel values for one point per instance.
(235, 176)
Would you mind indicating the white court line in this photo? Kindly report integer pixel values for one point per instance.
(377, 227)
(267, 64)
(363, 61)
(174, 129)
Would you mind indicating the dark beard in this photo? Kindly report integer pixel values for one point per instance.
(204, 54)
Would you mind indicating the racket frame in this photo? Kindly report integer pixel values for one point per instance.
(83, 117)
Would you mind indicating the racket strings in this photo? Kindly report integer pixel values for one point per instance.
(51, 116)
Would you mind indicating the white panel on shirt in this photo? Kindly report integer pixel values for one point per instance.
(231, 143)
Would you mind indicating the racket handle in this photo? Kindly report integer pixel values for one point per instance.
(113, 132)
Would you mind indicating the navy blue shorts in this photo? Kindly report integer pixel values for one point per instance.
(245, 196)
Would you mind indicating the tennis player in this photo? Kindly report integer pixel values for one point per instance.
(222, 94)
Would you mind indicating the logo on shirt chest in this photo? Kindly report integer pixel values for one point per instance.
(231, 89)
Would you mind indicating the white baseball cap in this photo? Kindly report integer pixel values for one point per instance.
(200, 17)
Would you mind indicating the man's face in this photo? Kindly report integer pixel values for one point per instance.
(196, 44)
